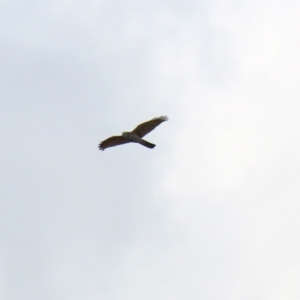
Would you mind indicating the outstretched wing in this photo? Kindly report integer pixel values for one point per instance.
(112, 141)
(144, 128)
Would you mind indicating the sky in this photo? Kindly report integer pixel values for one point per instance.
(212, 212)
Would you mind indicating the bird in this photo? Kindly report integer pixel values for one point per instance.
(134, 136)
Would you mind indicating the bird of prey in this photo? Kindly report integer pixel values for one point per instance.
(134, 136)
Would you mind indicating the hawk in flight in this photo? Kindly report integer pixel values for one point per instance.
(135, 136)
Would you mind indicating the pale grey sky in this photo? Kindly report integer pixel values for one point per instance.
(212, 212)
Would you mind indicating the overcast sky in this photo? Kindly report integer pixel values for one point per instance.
(213, 212)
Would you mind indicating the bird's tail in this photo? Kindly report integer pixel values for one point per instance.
(146, 144)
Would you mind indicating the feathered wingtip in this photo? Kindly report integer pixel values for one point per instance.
(100, 147)
(162, 118)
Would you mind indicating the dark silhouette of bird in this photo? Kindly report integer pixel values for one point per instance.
(134, 136)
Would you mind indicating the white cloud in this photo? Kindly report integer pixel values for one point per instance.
(235, 150)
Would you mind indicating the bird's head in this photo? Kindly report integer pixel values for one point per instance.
(126, 135)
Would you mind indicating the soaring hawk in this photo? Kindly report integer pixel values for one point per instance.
(135, 136)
